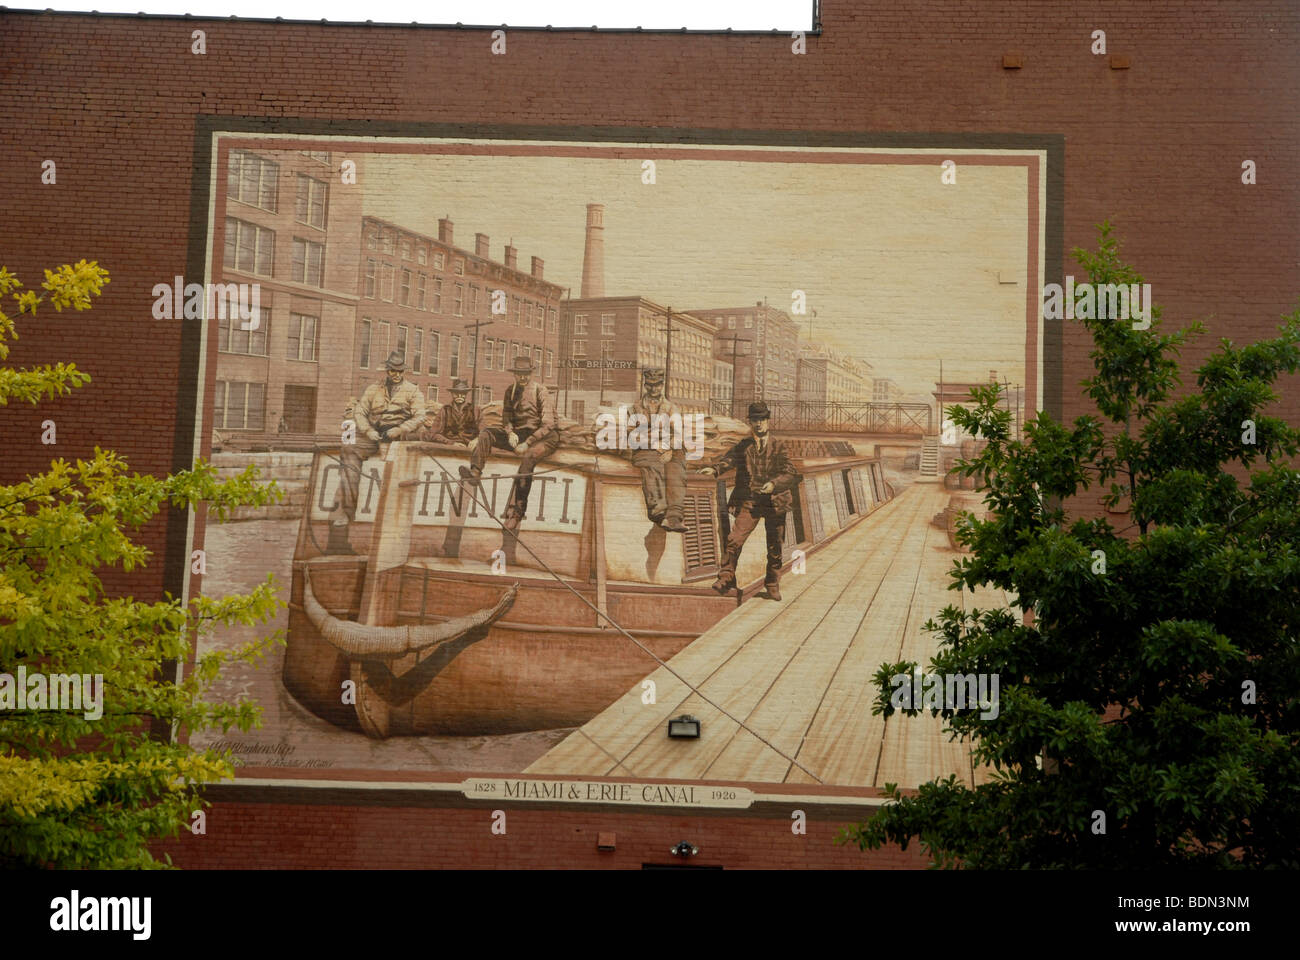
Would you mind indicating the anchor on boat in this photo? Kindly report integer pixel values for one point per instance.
(371, 648)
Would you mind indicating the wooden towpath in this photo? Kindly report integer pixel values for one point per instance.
(799, 672)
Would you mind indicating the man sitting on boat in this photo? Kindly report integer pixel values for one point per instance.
(529, 427)
(458, 422)
(389, 410)
(765, 477)
(663, 471)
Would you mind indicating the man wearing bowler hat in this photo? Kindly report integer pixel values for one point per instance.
(765, 477)
(389, 410)
(457, 422)
(529, 427)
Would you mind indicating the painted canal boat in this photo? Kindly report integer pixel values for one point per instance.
(446, 623)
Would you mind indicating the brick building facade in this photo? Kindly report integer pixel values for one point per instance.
(120, 105)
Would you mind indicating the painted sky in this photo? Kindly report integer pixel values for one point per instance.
(903, 270)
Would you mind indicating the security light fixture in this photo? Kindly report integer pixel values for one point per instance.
(684, 727)
(684, 849)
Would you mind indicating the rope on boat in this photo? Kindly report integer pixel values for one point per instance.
(469, 488)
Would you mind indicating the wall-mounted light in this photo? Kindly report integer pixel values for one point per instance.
(684, 727)
(684, 849)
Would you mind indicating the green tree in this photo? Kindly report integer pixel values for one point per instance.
(1158, 686)
(75, 790)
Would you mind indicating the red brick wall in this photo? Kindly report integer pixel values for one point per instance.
(244, 835)
(1157, 148)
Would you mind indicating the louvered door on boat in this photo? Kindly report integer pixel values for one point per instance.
(700, 541)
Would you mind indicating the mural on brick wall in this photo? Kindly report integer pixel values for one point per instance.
(577, 438)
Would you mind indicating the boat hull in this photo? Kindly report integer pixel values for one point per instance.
(546, 664)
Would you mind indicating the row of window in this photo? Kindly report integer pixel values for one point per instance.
(251, 248)
(300, 343)
(385, 239)
(254, 180)
(414, 291)
(241, 405)
(496, 354)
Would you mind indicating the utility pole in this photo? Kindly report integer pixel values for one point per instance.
(940, 398)
(668, 353)
(476, 324)
(734, 340)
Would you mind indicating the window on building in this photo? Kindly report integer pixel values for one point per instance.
(321, 156)
(365, 344)
(501, 354)
(460, 267)
(550, 364)
(471, 353)
(577, 378)
(439, 259)
(234, 339)
(579, 324)
(553, 321)
(372, 240)
(406, 248)
(249, 247)
(301, 343)
(372, 268)
(519, 311)
(406, 287)
(537, 359)
(417, 351)
(579, 348)
(453, 369)
(240, 405)
(420, 290)
(435, 348)
(422, 255)
(606, 355)
(403, 335)
(437, 295)
(390, 241)
(310, 204)
(308, 262)
(433, 396)
(253, 180)
(749, 322)
(458, 301)
(381, 344)
(390, 272)
(607, 324)
(473, 301)
(489, 348)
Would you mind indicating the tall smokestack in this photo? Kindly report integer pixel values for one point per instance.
(444, 229)
(593, 258)
(481, 245)
(512, 256)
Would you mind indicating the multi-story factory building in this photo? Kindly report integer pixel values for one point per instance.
(452, 313)
(608, 341)
(290, 230)
(767, 366)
